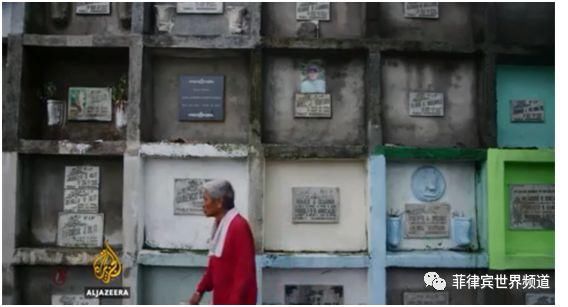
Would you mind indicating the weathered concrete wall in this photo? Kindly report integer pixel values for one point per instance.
(163, 229)
(525, 23)
(347, 235)
(169, 285)
(36, 283)
(459, 194)
(76, 67)
(345, 73)
(9, 194)
(41, 197)
(169, 65)
(12, 18)
(6, 19)
(40, 21)
(207, 24)
(454, 24)
(456, 78)
(347, 20)
(354, 282)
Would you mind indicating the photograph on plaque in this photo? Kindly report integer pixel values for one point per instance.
(527, 111)
(313, 295)
(315, 205)
(425, 221)
(73, 299)
(201, 98)
(188, 196)
(92, 8)
(81, 189)
(427, 104)
(428, 184)
(90, 104)
(425, 298)
(80, 229)
(427, 10)
(199, 8)
(539, 298)
(531, 206)
(313, 11)
(311, 99)
(311, 77)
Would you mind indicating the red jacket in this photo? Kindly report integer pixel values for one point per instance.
(232, 277)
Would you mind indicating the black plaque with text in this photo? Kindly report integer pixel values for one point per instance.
(201, 98)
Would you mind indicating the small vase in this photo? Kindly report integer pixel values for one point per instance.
(120, 114)
(165, 14)
(55, 112)
(394, 224)
(461, 231)
(60, 12)
(124, 14)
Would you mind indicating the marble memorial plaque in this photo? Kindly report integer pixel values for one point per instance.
(92, 8)
(312, 106)
(81, 189)
(427, 10)
(313, 10)
(188, 197)
(424, 221)
(527, 111)
(80, 229)
(428, 104)
(73, 299)
(539, 298)
(315, 205)
(199, 8)
(81, 200)
(313, 295)
(531, 206)
(201, 98)
(426, 298)
(90, 104)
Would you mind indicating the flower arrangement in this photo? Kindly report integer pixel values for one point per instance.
(47, 91)
(120, 91)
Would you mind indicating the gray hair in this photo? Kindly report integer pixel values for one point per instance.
(223, 189)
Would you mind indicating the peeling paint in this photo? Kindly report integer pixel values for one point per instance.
(194, 150)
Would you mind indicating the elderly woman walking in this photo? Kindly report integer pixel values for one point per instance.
(231, 272)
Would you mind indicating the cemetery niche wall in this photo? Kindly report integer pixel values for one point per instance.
(68, 93)
(313, 20)
(80, 18)
(434, 204)
(196, 96)
(306, 202)
(328, 110)
(314, 111)
(439, 101)
(521, 209)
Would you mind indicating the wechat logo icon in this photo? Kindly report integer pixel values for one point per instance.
(434, 280)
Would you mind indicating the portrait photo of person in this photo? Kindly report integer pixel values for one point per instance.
(312, 78)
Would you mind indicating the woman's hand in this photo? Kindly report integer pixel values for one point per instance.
(195, 298)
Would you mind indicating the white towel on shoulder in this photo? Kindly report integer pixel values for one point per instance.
(219, 233)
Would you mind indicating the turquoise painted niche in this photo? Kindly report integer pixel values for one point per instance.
(520, 83)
